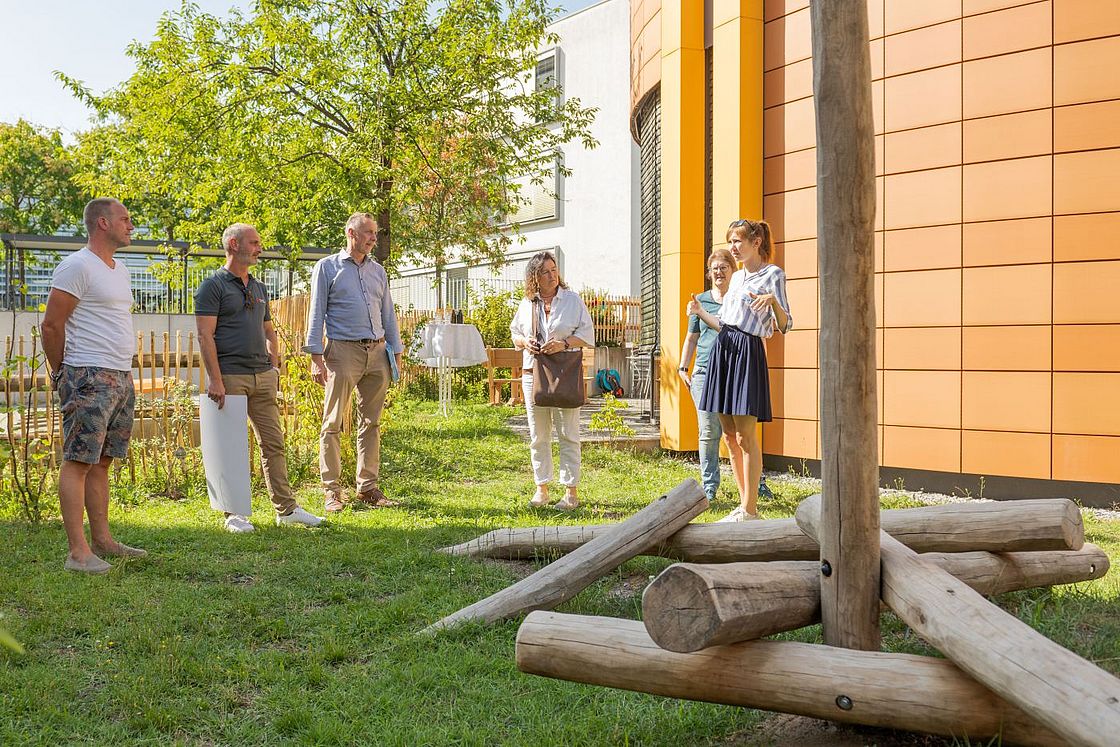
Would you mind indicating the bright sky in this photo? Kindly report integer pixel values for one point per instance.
(86, 39)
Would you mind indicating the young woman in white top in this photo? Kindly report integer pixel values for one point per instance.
(563, 323)
(738, 384)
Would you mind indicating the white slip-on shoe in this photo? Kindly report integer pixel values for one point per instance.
(95, 566)
(238, 524)
(299, 516)
(737, 515)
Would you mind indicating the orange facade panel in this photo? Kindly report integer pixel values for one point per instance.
(1090, 347)
(1012, 294)
(787, 83)
(792, 215)
(1008, 83)
(772, 9)
(803, 302)
(922, 398)
(1005, 401)
(920, 99)
(922, 348)
(1087, 126)
(787, 39)
(922, 448)
(1004, 31)
(1086, 458)
(1006, 348)
(793, 438)
(1008, 136)
(797, 258)
(922, 198)
(790, 171)
(922, 248)
(796, 349)
(1085, 293)
(1081, 237)
(793, 393)
(927, 298)
(921, 49)
(1087, 182)
(1086, 404)
(1086, 71)
(788, 127)
(1020, 188)
(908, 15)
(1085, 19)
(1007, 242)
(922, 148)
(998, 453)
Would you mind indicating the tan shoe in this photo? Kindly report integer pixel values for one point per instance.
(376, 499)
(540, 499)
(120, 551)
(333, 503)
(566, 505)
(94, 566)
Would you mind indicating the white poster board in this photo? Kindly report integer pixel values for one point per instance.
(225, 453)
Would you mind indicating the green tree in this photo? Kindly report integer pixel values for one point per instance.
(38, 193)
(297, 113)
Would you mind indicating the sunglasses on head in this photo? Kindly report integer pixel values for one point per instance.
(741, 222)
(249, 302)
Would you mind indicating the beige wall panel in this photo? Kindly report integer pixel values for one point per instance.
(1080, 237)
(922, 398)
(1005, 401)
(1020, 188)
(1006, 242)
(787, 39)
(880, 304)
(1086, 458)
(1087, 126)
(875, 10)
(1085, 19)
(929, 298)
(903, 15)
(1006, 454)
(1086, 293)
(1087, 182)
(1016, 294)
(795, 170)
(1011, 30)
(1086, 404)
(921, 99)
(922, 448)
(1086, 71)
(792, 215)
(877, 112)
(1008, 136)
(777, 8)
(794, 438)
(972, 7)
(877, 64)
(932, 46)
(926, 348)
(797, 258)
(1091, 347)
(788, 128)
(1009, 83)
(923, 198)
(793, 393)
(923, 148)
(797, 349)
(1006, 348)
(803, 302)
(923, 248)
(880, 250)
(787, 83)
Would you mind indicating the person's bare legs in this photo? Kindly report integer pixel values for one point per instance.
(72, 501)
(746, 430)
(736, 454)
(97, 507)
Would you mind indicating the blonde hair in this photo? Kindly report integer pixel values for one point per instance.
(726, 256)
(751, 230)
(533, 268)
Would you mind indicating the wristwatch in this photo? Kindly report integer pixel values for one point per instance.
(683, 368)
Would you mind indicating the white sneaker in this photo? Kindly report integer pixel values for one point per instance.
(238, 524)
(739, 514)
(299, 516)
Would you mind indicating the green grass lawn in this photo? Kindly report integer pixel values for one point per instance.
(309, 636)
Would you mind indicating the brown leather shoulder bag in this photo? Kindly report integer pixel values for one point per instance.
(557, 378)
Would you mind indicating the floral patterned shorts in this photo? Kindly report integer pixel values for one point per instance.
(97, 411)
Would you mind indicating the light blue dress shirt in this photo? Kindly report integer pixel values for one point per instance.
(350, 302)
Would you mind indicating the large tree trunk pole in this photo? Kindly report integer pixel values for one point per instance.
(896, 691)
(690, 607)
(1072, 696)
(562, 579)
(846, 268)
(1051, 524)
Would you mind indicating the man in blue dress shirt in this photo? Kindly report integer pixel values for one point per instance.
(351, 304)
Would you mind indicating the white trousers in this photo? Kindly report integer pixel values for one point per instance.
(541, 422)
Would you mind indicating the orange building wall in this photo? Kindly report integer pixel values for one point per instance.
(997, 237)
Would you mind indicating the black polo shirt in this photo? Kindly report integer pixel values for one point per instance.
(241, 312)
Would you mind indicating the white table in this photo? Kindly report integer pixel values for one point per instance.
(445, 346)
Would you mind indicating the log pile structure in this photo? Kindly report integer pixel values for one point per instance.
(841, 561)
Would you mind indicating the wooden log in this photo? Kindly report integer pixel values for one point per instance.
(561, 580)
(1074, 697)
(690, 606)
(895, 691)
(1003, 526)
(846, 272)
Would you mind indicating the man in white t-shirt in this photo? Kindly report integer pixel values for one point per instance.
(88, 341)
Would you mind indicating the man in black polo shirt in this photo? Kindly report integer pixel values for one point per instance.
(241, 355)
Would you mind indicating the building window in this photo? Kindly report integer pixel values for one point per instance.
(547, 77)
(539, 201)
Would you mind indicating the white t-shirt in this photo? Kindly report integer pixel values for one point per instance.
(99, 332)
(568, 316)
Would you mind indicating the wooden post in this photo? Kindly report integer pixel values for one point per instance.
(692, 606)
(1003, 526)
(894, 691)
(563, 579)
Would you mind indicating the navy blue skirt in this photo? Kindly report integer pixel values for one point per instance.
(738, 379)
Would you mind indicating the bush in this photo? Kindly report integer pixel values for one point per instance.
(492, 315)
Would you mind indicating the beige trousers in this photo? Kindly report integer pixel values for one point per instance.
(365, 369)
(260, 391)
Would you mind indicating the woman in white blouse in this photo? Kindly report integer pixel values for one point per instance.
(563, 323)
(738, 385)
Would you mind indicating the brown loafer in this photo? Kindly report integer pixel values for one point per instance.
(376, 499)
(333, 503)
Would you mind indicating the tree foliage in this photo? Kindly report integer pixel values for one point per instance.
(38, 193)
(294, 115)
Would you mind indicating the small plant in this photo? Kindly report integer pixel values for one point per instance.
(608, 420)
(8, 642)
(31, 476)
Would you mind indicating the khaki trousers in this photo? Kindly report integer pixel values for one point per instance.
(364, 368)
(260, 391)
